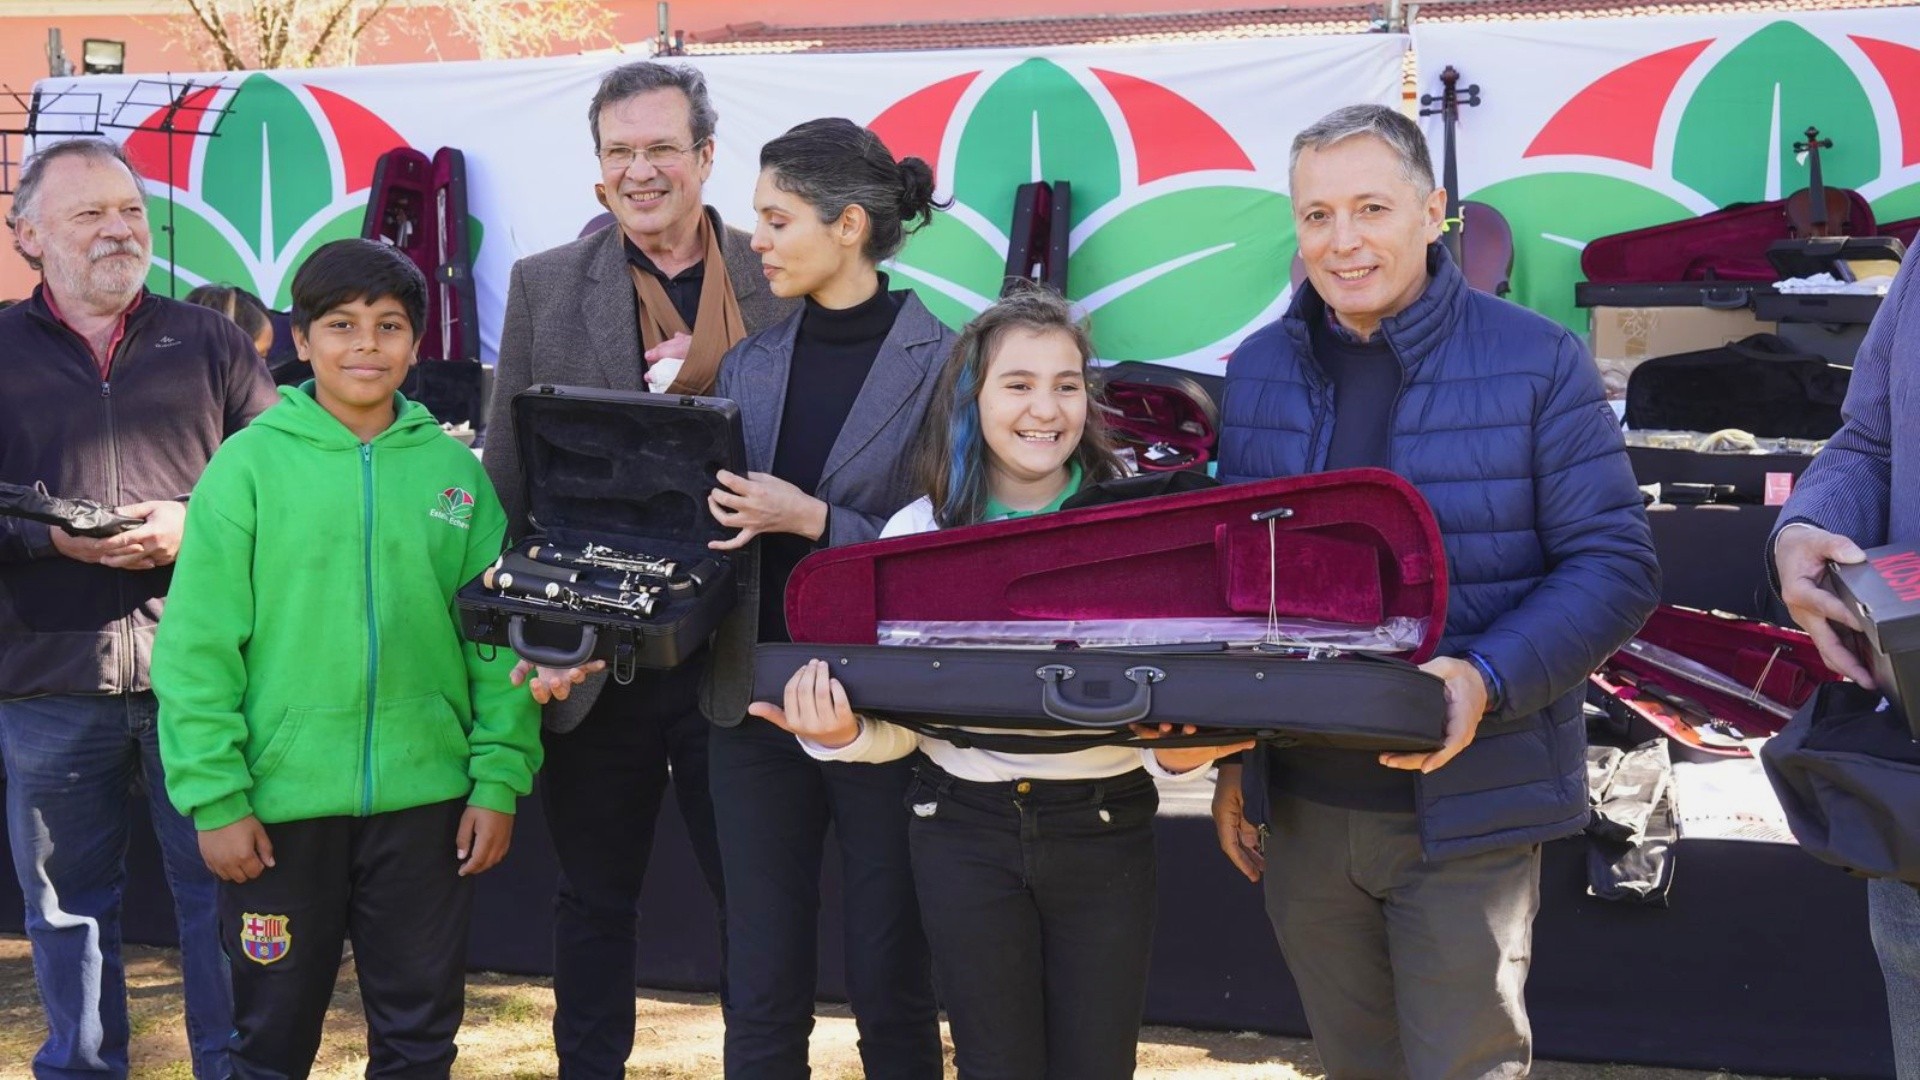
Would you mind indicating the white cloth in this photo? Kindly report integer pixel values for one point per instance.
(881, 741)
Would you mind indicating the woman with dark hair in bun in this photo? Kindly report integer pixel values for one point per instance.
(831, 401)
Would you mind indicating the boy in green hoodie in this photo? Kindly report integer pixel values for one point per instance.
(349, 760)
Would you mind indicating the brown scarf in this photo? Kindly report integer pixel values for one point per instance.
(718, 325)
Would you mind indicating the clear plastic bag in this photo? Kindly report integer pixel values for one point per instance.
(1398, 634)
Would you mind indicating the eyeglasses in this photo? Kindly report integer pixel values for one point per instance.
(659, 155)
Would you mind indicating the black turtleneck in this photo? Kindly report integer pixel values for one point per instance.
(832, 354)
(1366, 379)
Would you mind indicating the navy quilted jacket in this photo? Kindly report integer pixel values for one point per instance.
(1502, 424)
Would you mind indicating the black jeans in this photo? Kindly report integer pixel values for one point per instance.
(1038, 896)
(773, 804)
(391, 883)
(601, 788)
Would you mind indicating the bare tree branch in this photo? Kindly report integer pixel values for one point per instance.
(209, 18)
(246, 34)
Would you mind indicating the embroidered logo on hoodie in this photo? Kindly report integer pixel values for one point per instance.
(456, 507)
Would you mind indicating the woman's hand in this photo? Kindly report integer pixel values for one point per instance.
(763, 503)
(816, 708)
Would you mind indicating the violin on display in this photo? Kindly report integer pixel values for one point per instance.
(1818, 210)
(1478, 236)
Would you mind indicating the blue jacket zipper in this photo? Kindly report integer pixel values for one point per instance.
(373, 629)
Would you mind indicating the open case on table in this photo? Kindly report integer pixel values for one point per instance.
(1168, 417)
(1708, 681)
(629, 472)
(1293, 609)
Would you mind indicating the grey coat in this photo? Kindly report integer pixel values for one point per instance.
(571, 322)
(864, 482)
(1865, 484)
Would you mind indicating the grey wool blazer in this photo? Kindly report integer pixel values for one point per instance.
(570, 322)
(865, 480)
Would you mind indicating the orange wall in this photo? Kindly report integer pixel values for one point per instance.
(404, 35)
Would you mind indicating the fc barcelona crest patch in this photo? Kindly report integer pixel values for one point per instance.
(265, 937)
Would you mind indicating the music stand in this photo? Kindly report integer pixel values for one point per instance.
(173, 116)
(76, 112)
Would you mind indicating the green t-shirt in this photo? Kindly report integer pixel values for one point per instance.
(998, 511)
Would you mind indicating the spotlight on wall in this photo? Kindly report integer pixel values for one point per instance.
(98, 56)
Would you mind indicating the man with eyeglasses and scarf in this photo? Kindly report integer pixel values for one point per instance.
(652, 301)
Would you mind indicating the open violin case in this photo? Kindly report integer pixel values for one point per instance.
(1168, 417)
(1710, 682)
(419, 205)
(1289, 610)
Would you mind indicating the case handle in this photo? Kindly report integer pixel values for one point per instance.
(1731, 299)
(1131, 711)
(547, 655)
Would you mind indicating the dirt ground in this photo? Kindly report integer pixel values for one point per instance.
(506, 1035)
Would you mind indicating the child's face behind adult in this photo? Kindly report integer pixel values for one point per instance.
(360, 352)
(1033, 404)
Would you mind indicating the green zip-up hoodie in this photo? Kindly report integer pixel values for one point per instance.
(310, 663)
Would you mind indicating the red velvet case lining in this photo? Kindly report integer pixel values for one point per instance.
(1153, 414)
(1729, 244)
(1738, 648)
(405, 185)
(1152, 558)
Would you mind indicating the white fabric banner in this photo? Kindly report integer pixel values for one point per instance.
(1181, 236)
(1592, 127)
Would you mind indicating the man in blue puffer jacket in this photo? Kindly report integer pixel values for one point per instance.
(1405, 885)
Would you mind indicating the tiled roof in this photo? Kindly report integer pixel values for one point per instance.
(1516, 10)
(1335, 18)
(1030, 33)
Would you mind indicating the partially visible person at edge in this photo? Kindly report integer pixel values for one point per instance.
(1035, 871)
(650, 302)
(1403, 887)
(1863, 491)
(349, 759)
(245, 309)
(117, 395)
(830, 398)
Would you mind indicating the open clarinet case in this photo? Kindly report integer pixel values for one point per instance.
(1291, 610)
(617, 566)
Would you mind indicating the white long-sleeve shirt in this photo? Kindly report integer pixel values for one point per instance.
(880, 741)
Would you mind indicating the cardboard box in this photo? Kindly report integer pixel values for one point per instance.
(1623, 337)
(1636, 333)
(1884, 593)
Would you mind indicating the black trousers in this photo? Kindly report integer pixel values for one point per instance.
(389, 882)
(1038, 897)
(773, 805)
(601, 787)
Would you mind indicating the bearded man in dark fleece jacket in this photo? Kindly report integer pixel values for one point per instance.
(120, 396)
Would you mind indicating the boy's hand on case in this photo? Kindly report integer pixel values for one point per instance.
(483, 839)
(238, 852)
(548, 684)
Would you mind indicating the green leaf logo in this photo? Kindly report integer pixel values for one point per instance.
(287, 169)
(1176, 249)
(1731, 141)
